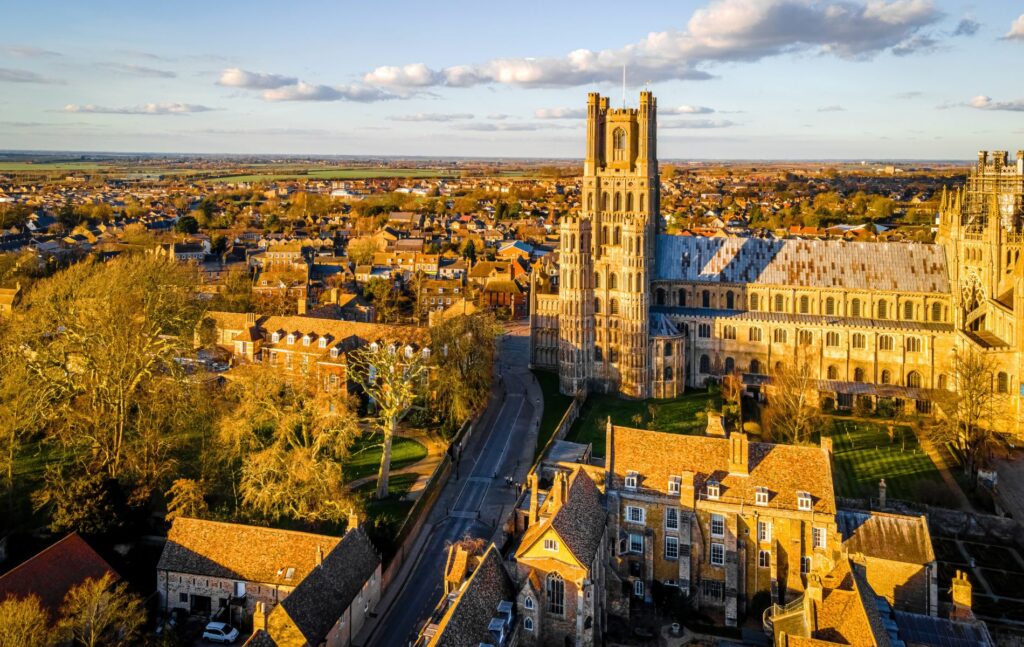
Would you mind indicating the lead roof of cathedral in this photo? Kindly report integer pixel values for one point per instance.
(900, 267)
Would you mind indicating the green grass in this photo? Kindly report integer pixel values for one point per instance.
(384, 517)
(339, 174)
(864, 455)
(365, 455)
(675, 416)
(555, 405)
(51, 166)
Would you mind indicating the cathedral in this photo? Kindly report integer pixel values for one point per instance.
(639, 313)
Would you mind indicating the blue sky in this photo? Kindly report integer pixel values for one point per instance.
(753, 79)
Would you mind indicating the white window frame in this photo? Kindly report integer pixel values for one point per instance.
(638, 588)
(672, 542)
(764, 531)
(635, 543)
(674, 484)
(528, 624)
(819, 539)
(631, 480)
(805, 565)
(322, 342)
(550, 544)
(636, 515)
(803, 501)
(721, 520)
(670, 514)
(764, 558)
(720, 550)
(528, 603)
(761, 496)
(714, 490)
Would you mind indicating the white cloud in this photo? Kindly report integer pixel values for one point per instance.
(10, 75)
(28, 51)
(512, 127)
(1016, 29)
(697, 124)
(303, 91)
(234, 77)
(560, 113)
(144, 109)
(140, 70)
(433, 116)
(832, 108)
(982, 102)
(692, 110)
(498, 116)
(725, 30)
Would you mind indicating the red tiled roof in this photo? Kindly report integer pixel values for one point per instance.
(52, 573)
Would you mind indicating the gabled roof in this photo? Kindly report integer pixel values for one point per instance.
(241, 552)
(50, 574)
(894, 537)
(319, 600)
(466, 620)
(579, 520)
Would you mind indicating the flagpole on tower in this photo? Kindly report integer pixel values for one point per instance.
(623, 86)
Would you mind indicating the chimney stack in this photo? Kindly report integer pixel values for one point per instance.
(556, 492)
(250, 319)
(881, 494)
(961, 597)
(301, 309)
(739, 454)
(353, 520)
(259, 617)
(534, 498)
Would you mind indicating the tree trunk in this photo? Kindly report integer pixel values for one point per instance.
(385, 461)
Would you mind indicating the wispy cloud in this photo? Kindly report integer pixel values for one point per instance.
(982, 102)
(234, 77)
(28, 51)
(433, 116)
(560, 113)
(1016, 29)
(724, 31)
(691, 110)
(279, 87)
(144, 109)
(832, 108)
(967, 27)
(512, 127)
(11, 75)
(498, 116)
(139, 70)
(909, 94)
(697, 124)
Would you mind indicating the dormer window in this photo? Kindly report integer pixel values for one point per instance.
(276, 337)
(323, 342)
(673, 484)
(803, 501)
(291, 339)
(334, 352)
(714, 490)
(306, 339)
(761, 497)
(631, 480)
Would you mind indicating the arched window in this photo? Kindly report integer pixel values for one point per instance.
(597, 306)
(704, 330)
(572, 242)
(754, 334)
(613, 355)
(830, 306)
(730, 365)
(668, 373)
(779, 303)
(629, 201)
(705, 299)
(659, 297)
(857, 340)
(936, 311)
(604, 201)
(883, 309)
(639, 282)
(885, 342)
(528, 623)
(668, 350)
(755, 367)
(805, 304)
(914, 379)
(908, 310)
(753, 302)
(597, 279)
(528, 603)
(832, 372)
(598, 355)
(779, 335)
(913, 344)
(618, 236)
(858, 374)
(1002, 383)
(618, 145)
(728, 332)
(618, 201)
(705, 364)
(613, 307)
(855, 308)
(682, 297)
(886, 376)
(555, 594)
(590, 202)
(730, 300)
(943, 381)
(613, 281)
(641, 202)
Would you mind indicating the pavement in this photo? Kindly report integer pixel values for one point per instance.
(476, 498)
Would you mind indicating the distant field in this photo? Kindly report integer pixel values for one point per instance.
(339, 174)
(51, 166)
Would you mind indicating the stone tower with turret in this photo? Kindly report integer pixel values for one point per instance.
(606, 254)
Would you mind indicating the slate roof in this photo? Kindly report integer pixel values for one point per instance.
(783, 469)
(580, 522)
(50, 574)
(899, 267)
(316, 604)
(893, 537)
(336, 329)
(466, 620)
(237, 551)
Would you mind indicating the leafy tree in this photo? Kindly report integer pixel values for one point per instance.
(237, 295)
(78, 499)
(464, 361)
(186, 225)
(21, 411)
(469, 251)
(100, 612)
(384, 296)
(393, 377)
(186, 498)
(361, 250)
(23, 621)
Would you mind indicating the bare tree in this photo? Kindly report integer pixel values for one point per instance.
(464, 363)
(393, 377)
(968, 415)
(23, 621)
(186, 498)
(100, 612)
(793, 412)
(22, 410)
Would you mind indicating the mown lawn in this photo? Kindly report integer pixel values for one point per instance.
(676, 416)
(364, 459)
(864, 454)
(384, 517)
(555, 405)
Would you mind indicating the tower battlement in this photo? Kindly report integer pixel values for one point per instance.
(999, 161)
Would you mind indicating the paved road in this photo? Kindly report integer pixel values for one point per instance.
(472, 504)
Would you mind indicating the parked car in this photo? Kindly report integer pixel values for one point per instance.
(220, 632)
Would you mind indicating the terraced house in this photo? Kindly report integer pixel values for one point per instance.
(721, 518)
